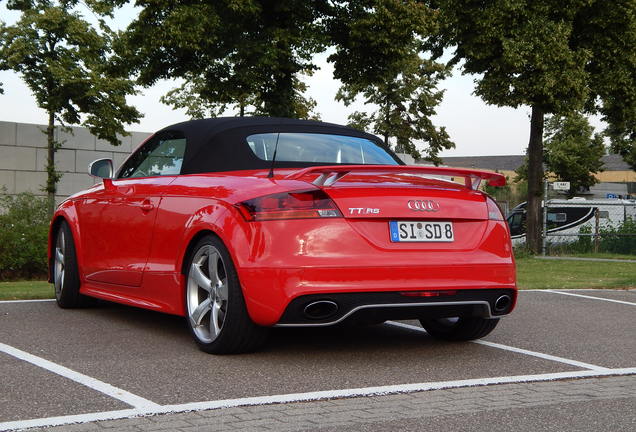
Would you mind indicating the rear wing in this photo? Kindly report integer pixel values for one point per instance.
(328, 175)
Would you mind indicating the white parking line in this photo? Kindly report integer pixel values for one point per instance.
(590, 297)
(307, 397)
(515, 350)
(26, 301)
(93, 383)
(542, 355)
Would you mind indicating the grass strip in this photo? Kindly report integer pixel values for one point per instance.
(26, 290)
(533, 273)
(603, 255)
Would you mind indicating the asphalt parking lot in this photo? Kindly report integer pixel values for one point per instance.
(559, 353)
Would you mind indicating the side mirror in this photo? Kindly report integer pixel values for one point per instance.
(102, 168)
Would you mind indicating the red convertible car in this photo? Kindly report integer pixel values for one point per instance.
(240, 224)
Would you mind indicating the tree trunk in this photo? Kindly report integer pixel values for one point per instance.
(535, 181)
(52, 176)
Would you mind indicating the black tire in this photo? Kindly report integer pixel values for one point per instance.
(64, 269)
(459, 328)
(234, 331)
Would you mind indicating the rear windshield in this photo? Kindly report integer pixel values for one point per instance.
(323, 148)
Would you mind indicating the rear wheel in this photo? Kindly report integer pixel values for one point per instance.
(459, 328)
(65, 274)
(216, 312)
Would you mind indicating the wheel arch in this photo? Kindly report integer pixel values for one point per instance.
(66, 214)
(55, 224)
(190, 247)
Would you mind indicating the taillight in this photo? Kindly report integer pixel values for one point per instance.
(494, 213)
(304, 204)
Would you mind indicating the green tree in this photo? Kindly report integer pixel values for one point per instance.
(378, 45)
(62, 59)
(608, 30)
(201, 101)
(233, 53)
(573, 152)
(554, 56)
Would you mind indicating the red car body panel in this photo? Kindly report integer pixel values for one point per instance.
(132, 236)
(138, 253)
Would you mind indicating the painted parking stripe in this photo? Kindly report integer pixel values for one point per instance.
(515, 350)
(90, 382)
(542, 355)
(26, 301)
(309, 396)
(591, 297)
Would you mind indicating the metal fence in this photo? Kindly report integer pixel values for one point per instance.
(590, 226)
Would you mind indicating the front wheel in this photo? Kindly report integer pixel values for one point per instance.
(216, 313)
(65, 274)
(459, 328)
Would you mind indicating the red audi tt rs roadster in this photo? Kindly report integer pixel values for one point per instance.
(241, 224)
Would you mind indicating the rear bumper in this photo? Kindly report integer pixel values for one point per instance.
(275, 296)
(280, 261)
(381, 306)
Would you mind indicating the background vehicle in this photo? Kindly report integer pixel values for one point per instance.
(240, 224)
(567, 217)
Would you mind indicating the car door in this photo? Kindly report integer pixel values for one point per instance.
(117, 221)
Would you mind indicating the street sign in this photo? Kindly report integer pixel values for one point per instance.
(561, 185)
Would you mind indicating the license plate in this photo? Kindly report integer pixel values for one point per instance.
(420, 231)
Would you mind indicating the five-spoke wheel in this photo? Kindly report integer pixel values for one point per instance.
(58, 264)
(207, 293)
(216, 313)
(64, 269)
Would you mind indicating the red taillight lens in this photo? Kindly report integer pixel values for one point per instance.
(494, 213)
(290, 205)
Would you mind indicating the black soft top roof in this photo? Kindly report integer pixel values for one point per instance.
(219, 144)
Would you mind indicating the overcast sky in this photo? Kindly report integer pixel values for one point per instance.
(475, 127)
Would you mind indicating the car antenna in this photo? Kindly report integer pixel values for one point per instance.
(271, 169)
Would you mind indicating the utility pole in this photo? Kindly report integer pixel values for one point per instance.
(544, 234)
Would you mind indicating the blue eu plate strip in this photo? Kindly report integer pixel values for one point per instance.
(395, 236)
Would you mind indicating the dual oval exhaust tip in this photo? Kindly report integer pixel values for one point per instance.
(502, 303)
(321, 309)
(324, 309)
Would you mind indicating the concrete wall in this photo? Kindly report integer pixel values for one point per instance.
(23, 156)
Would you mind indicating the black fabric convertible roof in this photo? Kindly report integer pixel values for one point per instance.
(219, 144)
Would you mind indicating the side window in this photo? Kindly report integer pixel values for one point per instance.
(516, 223)
(557, 217)
(160, 156)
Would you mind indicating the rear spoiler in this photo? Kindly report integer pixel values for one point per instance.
(331, 174)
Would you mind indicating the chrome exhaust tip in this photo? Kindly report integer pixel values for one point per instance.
(502, 303)
(321, 309)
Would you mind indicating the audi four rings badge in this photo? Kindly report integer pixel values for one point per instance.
(423, 205)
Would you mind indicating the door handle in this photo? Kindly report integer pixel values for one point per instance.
(147, 205)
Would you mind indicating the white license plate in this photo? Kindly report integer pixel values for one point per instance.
(421, 231)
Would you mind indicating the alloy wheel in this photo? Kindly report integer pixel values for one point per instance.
(207, 295)
(58, 265)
